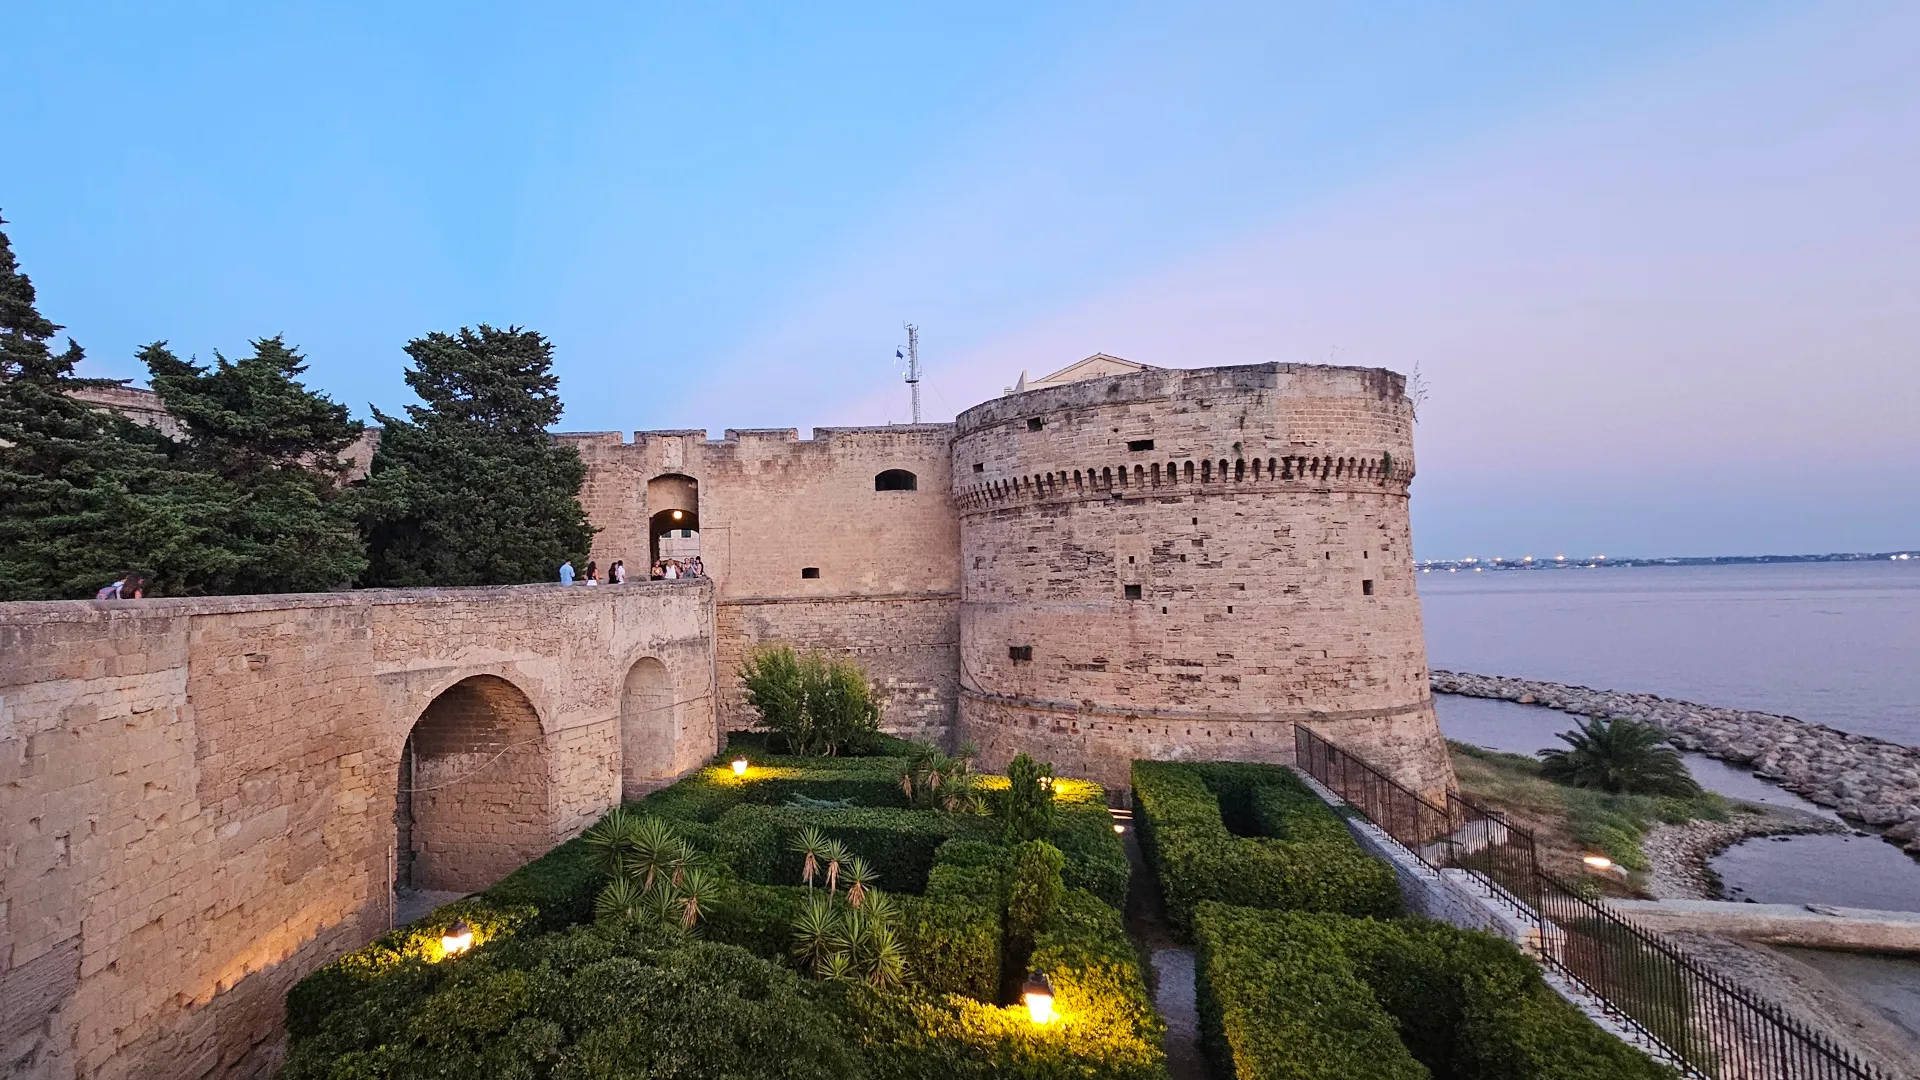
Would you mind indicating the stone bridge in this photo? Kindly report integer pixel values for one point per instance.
(205, 799)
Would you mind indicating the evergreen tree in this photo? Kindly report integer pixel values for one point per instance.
(470, 490)
(273, 445)
(85, 495)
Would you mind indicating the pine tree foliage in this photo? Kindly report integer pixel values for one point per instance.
(469, 489)
(85, 495)
(271, 446)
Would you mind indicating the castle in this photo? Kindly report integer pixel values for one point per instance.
(206, 798)
(1113, 562)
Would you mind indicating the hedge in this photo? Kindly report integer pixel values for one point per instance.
(1107, 1028)
(593, 1001)
(1310, 863)
(1284, 1003)
(553, 891)
(898, 844)
(1298, 995)
(710, 792)
(1096, 857)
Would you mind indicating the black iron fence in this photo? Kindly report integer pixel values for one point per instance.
(1710, 1026)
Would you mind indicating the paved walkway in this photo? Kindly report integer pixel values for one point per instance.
(1173, 971)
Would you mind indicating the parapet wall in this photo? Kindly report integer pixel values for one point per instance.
(1186, 563)
(199, 796)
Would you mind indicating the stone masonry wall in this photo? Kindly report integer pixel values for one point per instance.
(772, 505)
(1185, 563)
(198, 796)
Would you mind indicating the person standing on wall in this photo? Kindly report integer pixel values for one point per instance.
(566, 572)
(617, 573)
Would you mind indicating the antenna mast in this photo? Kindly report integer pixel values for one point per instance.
(913, 367)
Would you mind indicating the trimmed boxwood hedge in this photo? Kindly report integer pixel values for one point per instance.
(1287, 995)
(532, 998)
(551, 892)
(1302, 858)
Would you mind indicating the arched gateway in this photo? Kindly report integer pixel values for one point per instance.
(473, 796)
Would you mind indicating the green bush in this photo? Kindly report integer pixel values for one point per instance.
(1459, 1004)
(591, 1002)
(1282, 1002)
(1096, 856)
(1312, 865)
(1034, 888)
(1107, 1028)
(819, 704)
(772, 780)
(1025, 804)
(757, 918)
(898, 844)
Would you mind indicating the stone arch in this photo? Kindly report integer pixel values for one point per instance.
(649, 727)
(895, 480)
(473, 798)
(673, 505)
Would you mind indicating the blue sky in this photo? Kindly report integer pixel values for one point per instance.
(1656, 260)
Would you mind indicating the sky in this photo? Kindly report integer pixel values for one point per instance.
(1656, 263)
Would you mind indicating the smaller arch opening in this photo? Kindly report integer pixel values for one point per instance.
(896, 480)
(1189, 472)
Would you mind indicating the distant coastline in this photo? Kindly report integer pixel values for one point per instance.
(1598, 562)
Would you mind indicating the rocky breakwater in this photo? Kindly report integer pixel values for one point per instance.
(1864, 779)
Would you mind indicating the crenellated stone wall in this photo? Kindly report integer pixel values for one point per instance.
(199, 797)
(770, 506)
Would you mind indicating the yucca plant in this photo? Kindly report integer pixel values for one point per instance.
(1621, 756)
(621, 901)
(882, 907)
(817, 932)
(679, 860)
(611, 840)
(812, 844)
(835, 855)
(651, 846)
(883, 960)
(860, 878)
(838, 968)
(694, 895)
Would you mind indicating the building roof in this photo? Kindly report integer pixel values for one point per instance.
(1096, 366)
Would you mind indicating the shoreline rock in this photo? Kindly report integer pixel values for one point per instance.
(1866, 780)
(1679, 854)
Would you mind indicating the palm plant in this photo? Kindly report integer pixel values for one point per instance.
(678, 860)
(882, 907)
(860, 878)
(838, 968)
(1620, 756)
(812, 844)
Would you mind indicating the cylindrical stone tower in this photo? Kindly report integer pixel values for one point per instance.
(1186, 563)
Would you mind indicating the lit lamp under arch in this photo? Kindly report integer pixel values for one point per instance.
(457, 939)
(1037, 995)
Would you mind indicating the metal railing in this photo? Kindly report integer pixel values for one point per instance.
(1713, 1027)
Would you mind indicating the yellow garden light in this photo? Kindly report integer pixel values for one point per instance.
(739, 766)
(457, 939)
(1037, 995)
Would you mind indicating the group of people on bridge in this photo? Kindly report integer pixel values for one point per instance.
(664, 570)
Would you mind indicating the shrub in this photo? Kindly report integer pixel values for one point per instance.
(1282, 1002)
(1465, 1005)
(1025, 805)
(1107, 1028)
(817, 703)
(1315, 865)
(898, 844)
(1034, 889)
(1096, 857)
(594, 1001)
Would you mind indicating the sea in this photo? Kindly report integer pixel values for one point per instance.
(1836, 643)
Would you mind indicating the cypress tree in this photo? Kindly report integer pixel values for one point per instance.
(469, 489)
(85, 495)
(273, 445)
